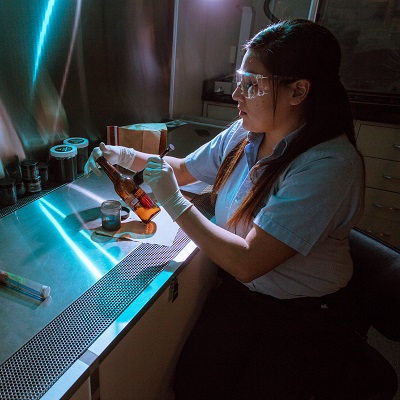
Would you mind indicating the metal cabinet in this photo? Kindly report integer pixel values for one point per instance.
(142, 365)
(220, 111)
(380, 145)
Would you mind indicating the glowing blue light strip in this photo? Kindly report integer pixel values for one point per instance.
(76, 249)
(70, 51)
(42, 37)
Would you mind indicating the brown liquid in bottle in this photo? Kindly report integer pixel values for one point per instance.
(133, 195)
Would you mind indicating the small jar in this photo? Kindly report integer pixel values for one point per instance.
(20, 187)
(82, 146)
(29, 169)
(111, 215)
(8, 192)
(65, 162)
(33, 185)
(44, 173)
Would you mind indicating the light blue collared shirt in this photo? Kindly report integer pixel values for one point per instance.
(312, 207)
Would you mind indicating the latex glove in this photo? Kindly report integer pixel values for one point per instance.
(160, 176)
(120, 155)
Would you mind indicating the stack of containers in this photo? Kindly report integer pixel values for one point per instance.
(69, 159)
(30, 176)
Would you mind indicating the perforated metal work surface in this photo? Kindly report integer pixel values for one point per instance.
(35, 367)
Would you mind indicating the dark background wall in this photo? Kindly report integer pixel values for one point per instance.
(70, 68)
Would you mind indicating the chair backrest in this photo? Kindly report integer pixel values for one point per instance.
(376, 281)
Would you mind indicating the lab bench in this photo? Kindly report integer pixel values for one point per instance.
(118, 312)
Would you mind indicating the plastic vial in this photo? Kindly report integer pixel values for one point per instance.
(26, 286)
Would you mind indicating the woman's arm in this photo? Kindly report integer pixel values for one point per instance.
(244, 258)
(182, 174)
(134, 160)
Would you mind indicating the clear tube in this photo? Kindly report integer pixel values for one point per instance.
(26, 286)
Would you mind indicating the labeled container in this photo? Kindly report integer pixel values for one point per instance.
(8, 192)
(33, 185)
(82, 146)
(111, 215)
(29, 169)
(65, 168)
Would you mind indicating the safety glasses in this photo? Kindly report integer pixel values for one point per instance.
(255, 85)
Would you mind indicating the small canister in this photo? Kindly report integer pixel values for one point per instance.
(20, 187)
(29, 169)
(33, 185)
(44, 173)
(65, 162)
(82, 145)
(8, 192)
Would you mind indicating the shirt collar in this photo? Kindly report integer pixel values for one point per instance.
(255, 139)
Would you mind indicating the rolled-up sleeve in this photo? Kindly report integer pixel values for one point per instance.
(203, 163)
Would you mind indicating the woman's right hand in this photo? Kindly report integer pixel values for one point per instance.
(120, 155)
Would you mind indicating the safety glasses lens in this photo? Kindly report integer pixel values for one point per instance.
(248, 83)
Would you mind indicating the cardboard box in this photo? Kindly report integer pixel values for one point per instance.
(146, 137)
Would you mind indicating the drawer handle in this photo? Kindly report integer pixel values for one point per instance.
(396, 146)
(377, 205)
(382, 234)
(391, 177)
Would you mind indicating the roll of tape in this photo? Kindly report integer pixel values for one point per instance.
(124, 213)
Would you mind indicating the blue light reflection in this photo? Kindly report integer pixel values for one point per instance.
(45, 205)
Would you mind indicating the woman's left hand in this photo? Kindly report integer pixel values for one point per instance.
(160, 176)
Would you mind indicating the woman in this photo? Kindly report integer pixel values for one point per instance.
(288, 184)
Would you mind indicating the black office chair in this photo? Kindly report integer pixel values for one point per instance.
(376, 282)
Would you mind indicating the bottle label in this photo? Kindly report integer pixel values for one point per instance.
(132, 201)
(144, 199)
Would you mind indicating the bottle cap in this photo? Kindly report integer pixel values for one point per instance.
(77, 142)
(29, 163)
(45, 291)
(64, 151)
(7, 182)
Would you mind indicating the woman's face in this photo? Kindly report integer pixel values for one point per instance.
(257, 113)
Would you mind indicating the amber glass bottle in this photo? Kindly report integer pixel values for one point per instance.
(134, 196)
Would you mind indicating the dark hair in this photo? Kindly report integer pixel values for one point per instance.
(306, 50)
